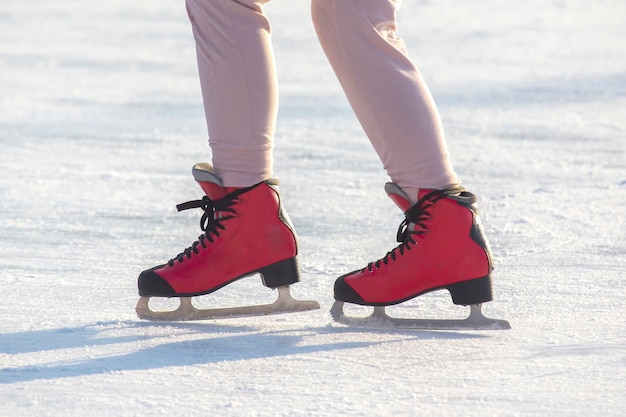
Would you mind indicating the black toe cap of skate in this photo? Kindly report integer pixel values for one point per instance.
(344, 292)
(151, 284)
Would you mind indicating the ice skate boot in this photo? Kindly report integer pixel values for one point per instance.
(442, 246)
(246, 232)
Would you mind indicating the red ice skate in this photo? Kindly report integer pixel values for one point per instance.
(246, 232)
(442, 247)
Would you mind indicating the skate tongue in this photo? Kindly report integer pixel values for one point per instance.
(208, 181)
(402, 200)
(398, 196)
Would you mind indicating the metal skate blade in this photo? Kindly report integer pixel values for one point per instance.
(285, 303)
(379, 319)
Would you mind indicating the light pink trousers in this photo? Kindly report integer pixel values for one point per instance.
(383, 85)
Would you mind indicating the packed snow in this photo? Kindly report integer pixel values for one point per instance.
(101, 120)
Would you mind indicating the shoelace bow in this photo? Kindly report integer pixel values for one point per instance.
(209, 223)
(417, 215)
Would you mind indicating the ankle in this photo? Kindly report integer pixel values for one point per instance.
(412, 193)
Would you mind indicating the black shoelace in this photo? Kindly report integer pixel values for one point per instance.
(210, 224)
(417, 215)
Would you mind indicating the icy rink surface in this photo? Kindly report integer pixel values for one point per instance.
(101, 121)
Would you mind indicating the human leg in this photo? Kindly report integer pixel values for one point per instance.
(246, 230)
(386, 90)
(442, 243)
(239, 87)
